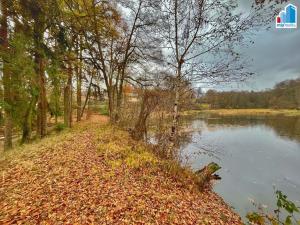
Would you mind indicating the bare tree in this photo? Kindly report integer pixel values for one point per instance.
(137, 39)
(149, 101)
(115, 41)
(200, 42)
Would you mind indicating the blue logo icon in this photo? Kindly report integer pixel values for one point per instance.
(287, 18)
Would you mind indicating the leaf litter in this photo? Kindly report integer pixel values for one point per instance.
(97, 175)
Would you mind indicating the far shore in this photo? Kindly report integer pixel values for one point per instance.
(246, 112)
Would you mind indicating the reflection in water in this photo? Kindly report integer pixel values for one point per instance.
(256, 153)
(284, 126)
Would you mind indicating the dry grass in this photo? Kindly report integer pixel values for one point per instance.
(246, 112)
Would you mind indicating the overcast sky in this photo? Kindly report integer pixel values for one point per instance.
(275, 54)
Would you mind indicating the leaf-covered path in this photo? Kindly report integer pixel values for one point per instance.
(95, 174)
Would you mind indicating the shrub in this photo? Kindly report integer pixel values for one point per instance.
(104, 110)
(284, 213)
(60, 127)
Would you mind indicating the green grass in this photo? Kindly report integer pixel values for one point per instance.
(104, 110)
(60, 127)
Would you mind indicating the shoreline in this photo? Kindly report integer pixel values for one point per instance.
(95, 173)
(245, 112)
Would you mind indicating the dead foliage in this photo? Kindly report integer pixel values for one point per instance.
(98, 175)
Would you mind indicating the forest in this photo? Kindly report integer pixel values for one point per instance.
(92, 95)
(285, 95)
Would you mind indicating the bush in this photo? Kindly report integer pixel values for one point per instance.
(104, 110)
(284, 207)
(60, 127)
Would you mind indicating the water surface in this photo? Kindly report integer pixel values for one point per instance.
(256, 154)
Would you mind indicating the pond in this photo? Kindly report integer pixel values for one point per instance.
(257, 154)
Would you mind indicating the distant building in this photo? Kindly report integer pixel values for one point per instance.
(130, 93)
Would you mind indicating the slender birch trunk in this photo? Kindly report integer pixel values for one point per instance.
(174, 128)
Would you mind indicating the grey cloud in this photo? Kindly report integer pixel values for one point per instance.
(275, 54)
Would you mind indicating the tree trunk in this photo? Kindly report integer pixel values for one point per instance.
(26, 127)
(87, 95)
(56, 111)
(174, 127)
(176, 103)
(79, 83)
(6, 79)
(149, 102)
(175, 114)
(111, 103)
(68, 99)
(140, 126)
(206, 174)
(119, 99)
(41, 79)
(79, 97)
(42, 99)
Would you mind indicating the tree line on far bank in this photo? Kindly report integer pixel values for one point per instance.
(284, 95)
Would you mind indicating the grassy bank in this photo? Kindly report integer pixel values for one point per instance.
(246, 112)
(96, 174)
